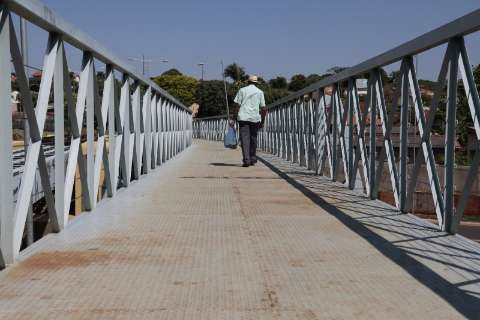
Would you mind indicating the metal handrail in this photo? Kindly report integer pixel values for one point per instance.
(129, 128)
(317, 129)
(462, 26)
(223, 116)
(39, 14)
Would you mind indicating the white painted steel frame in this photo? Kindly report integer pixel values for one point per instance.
(116, 126)
(328, 133)
(302, 126)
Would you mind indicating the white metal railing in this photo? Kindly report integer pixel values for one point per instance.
(323, 131)
(302, 128)
(130, 128)
(210, 128)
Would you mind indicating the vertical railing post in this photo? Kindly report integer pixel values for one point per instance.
(159, 130)
(163, 130)
(350, 143)
(131, 133)
(148, 129)
(112, 134)
(274, 130)
(278, 128)
(339, 126)
(138, 146)
(175, 129)
(404, 102)
(284, 131)
(450, 138)
(266, 130)
(169, 130)
(317, 130)
(154, 131)
(271, 131)
(294, 131)
(334, 132)
(90, 119)
(474, 106)
(373, 134)
(306, 129)
(125, 110)
(6, 167)
(310, 148)
(301, 132)
(59, 123)
(145, 129)
(288, 138)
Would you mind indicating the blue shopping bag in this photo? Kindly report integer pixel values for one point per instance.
(230, 140)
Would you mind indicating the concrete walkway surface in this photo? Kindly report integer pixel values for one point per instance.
(203, 238)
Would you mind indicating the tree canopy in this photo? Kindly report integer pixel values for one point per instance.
(184, 88)
(278, 83)
(464, 117)
(211, 98)
(297, 82)
(235, 72)
(172, 72)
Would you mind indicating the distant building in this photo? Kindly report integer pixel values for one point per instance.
(362, 86)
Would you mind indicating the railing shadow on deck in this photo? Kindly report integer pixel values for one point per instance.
(465, 301)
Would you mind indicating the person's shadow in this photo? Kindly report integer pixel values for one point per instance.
(221, 164)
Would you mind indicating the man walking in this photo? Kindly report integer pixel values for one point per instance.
(250, 99)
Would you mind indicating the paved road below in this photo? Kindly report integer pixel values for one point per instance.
(203, 238)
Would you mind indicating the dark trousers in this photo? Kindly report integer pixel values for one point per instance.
(248, 138)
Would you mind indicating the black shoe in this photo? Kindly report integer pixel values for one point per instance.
(245, 165)
(253, 162)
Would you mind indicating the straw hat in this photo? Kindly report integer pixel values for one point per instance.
(253, 78)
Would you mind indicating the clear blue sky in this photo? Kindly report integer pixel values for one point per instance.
(269, 38)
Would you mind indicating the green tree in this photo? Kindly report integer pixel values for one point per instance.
(464, 117)
(172, 72)
(297, 82)
(184, 88)
(278, 83)
(311, 79)
(336, 69)
(235, 72)
(211, 97)
(275, 94)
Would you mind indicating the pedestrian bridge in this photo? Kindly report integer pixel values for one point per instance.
(177, 229)
(204, 238)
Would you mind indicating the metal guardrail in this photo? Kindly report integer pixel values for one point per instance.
(210, 128)
(321, 131)
(129, 130)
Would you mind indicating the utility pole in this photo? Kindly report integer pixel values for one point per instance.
(144, 62)
(26, 127)
(225, 89)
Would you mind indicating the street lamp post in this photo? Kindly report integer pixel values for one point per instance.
(201, 65)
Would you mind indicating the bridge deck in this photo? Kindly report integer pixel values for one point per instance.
(203, 238)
